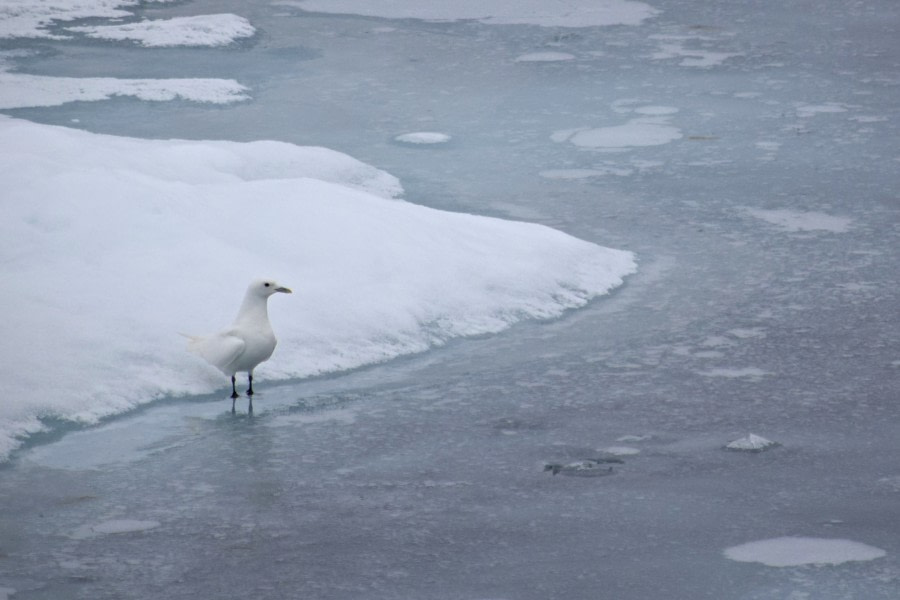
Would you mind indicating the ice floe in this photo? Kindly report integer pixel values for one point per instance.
(547, 13)
(652, 128)
(752, 373)
(112, 527)
(201, 30)
(806, 111)
(545, 57)
(423, 138)
(797, 551)
(18, 90)
(751, 443)
(675, 47)
(152, 237)
(795, 220)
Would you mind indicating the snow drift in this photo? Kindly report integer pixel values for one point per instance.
(112, 245)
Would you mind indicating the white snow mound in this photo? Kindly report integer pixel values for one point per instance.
(112, 245)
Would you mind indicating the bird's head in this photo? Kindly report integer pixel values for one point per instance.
(266, 287)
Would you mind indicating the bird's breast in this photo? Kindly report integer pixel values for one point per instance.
(258, 347)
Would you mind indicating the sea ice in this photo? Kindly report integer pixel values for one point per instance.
(646, 131)
(796, 551)
(753, 373)
(145, 237)
(751, 443)
(583, 173)
(423, 137)
(806, 111)
(201, 30)
(545, 57)
(620, 450)
(29, 18)
(18, 90)
(793, 220)
(674, 47)
(656, 110)
(547, 13)
(111, 527)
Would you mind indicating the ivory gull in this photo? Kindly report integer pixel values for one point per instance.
(248, 342)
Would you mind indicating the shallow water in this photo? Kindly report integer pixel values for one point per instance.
(424, 477)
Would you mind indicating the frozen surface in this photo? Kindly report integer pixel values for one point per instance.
(423, 137)
(751, 443)
(765, 302)
(792, 220)
(115, 526)
(36, 18)
(545, 57)
(18, 90)
(201, 30)
(796, 551)
(547, 13)
(376, 277)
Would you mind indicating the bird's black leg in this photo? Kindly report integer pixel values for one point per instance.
(234, 393)
(250, 387)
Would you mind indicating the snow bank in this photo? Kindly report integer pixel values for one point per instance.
(796, 551)
(201, 30)
(111, 245)
(547, 13)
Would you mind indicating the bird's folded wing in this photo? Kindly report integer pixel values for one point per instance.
(219, 350)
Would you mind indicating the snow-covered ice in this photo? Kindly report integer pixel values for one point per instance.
(797, 551)
(19, 90)
(30, 18)
(423, 137)
(200, 30)
(177, 213)
(751, 443)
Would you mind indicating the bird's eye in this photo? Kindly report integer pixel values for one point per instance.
(266, 284)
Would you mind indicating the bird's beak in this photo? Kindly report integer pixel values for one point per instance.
(283, 290)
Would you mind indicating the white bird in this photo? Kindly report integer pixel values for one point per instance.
(248, 342)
